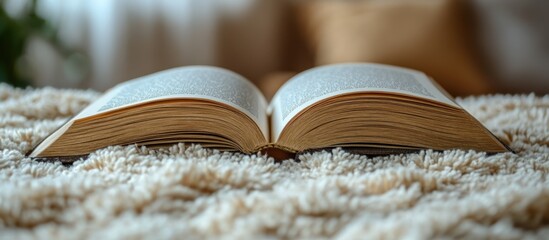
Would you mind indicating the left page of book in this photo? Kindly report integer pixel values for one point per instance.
(195, 82)
(192, 82)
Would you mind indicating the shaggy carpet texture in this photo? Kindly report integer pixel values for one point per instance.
(189, 192)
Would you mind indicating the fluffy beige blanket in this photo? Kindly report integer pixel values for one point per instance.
(189, 192)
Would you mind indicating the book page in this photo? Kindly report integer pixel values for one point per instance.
(323, 82)
(192, 82)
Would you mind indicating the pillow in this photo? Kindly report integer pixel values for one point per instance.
(271, 82)
(430, 36)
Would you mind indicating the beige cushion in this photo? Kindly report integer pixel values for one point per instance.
(430, 36)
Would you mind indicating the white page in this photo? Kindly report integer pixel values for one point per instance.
(323, 82)
(192, 82)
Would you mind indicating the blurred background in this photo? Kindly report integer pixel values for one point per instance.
(469, 47)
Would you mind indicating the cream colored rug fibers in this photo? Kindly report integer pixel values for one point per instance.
(186, 192)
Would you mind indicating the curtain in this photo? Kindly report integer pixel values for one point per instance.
(128, 39)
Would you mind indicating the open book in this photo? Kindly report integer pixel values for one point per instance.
(353, 105)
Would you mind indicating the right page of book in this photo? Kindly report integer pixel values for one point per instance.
(323, 82)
